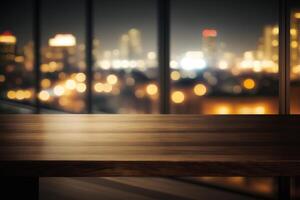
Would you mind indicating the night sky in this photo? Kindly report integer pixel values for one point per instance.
(239, 22)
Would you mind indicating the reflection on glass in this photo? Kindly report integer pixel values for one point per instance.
(262, 186)
(224, 59)
(295, 61)
(63, 83)
(15, 108)
(125, 57)
(16, 52)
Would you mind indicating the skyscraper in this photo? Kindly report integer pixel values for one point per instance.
(268, 45)
(7, 47)
(124, 46)
(135, 40)
(131, 45)
(62, 53)
(209, 46)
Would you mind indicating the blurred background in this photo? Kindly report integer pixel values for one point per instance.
(223, 60)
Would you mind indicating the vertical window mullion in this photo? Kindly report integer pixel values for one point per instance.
(89, 54)
(164, 54)
(284, 183)
(37, 45)
(284, 57)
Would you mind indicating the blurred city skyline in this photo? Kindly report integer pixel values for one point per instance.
(188, 19)
(223, 60)
(219, 63)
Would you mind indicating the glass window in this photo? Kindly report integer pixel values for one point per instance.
(295, 61)
(16, 52)
(63, 82)
(125, 57)
(224, 57)
(224, 60)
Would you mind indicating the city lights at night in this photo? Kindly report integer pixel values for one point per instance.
(59, 60)
(207, 72)
(62, 40)
(195, 59)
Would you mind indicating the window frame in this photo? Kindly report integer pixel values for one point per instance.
(163, 25)
(163, 18)
(285, 7)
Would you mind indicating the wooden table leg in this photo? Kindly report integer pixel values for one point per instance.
(20, 187)
(284, 188)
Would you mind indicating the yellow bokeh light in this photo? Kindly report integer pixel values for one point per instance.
(178, 97)
(70, 84)
(62, 40)
(223, 110)
(80, 77)
(27, 94)
(275, 57)
(19, 59)
(45, 68)
(275, 43)
(200, 89)
(293, 32)
(45, 83)
(44, 95)
(275, 31)
(175, 76)
(112, 79)
(52, 66)
(9, 39)
(294, 44)
(244, 110)
(223, 65)
(249, 84)
(59, 90)
(20, 95)
(107, 88)
(260, 110)
(11, 94)
(99, 87)
(174, 64)
(81, 87)
(297, 15)
(151, 55)
(152, 89)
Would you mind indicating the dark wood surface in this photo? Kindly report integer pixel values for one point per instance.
(149, 145)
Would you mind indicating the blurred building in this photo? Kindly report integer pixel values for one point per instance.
(29, 56)
(295, 50)
(135, 40)
(268, 44)
(209, 47)
(131, 45)
(124, 46)
(7, 48)
(63, 54)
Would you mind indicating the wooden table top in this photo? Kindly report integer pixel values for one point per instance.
(149, 145)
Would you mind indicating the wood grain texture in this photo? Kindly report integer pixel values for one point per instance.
(149, 145)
